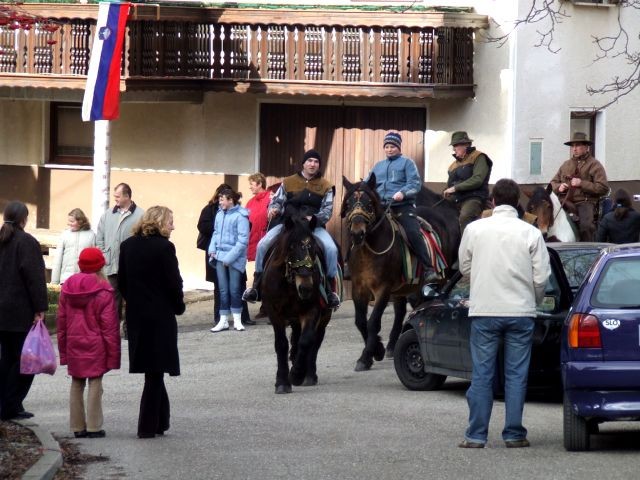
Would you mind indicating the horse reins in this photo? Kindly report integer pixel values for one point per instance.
(359, 209)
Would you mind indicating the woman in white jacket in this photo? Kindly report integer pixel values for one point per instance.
(72, 241)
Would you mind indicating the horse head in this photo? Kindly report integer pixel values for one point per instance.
(541, 205)
(301, 252)
(361, 207)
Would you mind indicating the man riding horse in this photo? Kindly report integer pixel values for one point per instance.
(312, 196)
(579, 183)
(398, 182)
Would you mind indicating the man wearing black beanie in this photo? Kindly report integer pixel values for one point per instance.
(312, 196)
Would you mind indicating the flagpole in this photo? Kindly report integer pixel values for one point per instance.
(101, 169)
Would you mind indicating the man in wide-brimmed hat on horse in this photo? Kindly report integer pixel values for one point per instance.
(579, 183)
(468, 182)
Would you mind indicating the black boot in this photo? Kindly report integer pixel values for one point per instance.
(252, 294)
(333, 300)
(430, 276)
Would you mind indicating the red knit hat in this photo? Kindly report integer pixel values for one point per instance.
(91, 260)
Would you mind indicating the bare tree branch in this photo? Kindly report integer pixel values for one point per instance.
(547, 15)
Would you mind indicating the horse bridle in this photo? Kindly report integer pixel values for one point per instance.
(306, 262)
(369, 216)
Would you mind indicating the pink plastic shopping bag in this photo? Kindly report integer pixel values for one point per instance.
(38, 355)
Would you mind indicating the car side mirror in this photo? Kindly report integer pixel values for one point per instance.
(548, 304)
(429, 293)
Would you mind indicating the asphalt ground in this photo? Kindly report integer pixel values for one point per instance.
(227, 423)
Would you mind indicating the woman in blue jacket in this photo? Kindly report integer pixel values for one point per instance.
(228, 249)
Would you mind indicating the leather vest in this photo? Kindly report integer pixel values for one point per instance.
(306, 195)
(461, 170)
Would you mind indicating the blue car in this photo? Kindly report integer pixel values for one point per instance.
(600, 347)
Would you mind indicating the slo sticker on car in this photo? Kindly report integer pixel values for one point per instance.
(611, 323)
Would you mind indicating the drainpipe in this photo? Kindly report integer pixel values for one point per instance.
(101, 170)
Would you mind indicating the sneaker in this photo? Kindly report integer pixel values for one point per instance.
(250, 295)
(98, 434)
(333, 301)
(80, 434)
(468, 444)
(522, 443)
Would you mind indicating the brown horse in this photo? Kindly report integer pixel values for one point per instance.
(552, 220)
(291, 295)
(376, 264)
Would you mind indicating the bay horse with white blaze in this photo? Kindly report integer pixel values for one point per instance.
(552, 220)
(291, 295)
(377, 263)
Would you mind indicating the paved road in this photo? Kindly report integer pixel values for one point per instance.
(228, 424)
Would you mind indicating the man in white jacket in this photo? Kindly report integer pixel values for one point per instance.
(509, 267)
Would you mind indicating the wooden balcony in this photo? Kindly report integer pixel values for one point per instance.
(311, 52)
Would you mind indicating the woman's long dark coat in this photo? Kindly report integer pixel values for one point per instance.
(205, 227)
(23, 288)
(150, 282)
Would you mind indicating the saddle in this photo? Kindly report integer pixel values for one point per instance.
(320, 263)
(412, 268)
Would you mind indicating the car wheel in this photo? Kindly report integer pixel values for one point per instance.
(575, 429)
(410, 366)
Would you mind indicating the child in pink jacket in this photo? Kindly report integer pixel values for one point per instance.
(88, 340)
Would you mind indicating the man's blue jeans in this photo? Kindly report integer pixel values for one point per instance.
(230, 282)
(486, 333)
(321, 235)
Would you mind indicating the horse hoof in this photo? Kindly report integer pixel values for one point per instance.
(378, 355)
(283, 389)
(389, 353)
(362, 367)
(310, 381)
(296, 379)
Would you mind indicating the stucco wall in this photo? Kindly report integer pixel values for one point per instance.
(218, 135)
(550, 86)
(21, 132)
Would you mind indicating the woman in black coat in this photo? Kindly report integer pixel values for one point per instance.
(150, 282)
(23, 301)
(622, 225)
(205, 232)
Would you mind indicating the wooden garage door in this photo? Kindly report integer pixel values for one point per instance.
(349, 139)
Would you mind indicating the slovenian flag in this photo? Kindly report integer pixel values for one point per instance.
(102, 93)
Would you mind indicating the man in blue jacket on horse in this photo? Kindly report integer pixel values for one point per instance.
(398, 182)
(311, 195)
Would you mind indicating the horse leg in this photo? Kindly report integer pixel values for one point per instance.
(374, 342)
(361, 305)
(399, 311)
(281, 345)
(374, 349)
(295, 338)
(312, 378)
(305, 344)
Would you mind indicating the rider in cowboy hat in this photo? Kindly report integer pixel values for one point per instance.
(580, 182)
(468, 183)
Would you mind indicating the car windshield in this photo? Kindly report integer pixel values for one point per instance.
(619, 284)
(576, 263)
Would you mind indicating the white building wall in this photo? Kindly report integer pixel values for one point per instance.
(550, 86)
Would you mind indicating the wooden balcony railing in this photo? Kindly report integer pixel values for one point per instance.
(239, 50)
